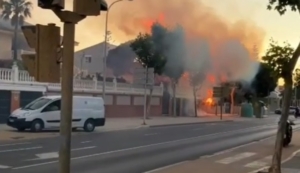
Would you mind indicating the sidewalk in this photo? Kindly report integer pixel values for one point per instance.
(114, 124)
(247, 159)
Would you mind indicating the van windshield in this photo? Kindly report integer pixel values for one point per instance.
(36, 104)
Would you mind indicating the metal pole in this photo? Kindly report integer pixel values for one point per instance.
(104, 58)
(145, 97)
(221, 102)
(81, 61)
(105, 49)
(66, 98)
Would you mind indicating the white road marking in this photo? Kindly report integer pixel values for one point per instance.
(151, 134)
(20, 149)
(44, 156)
(55, 155)
(84, 142)
(234, 148)
(165, 167)
(235, 158)
(285, 160)
(23, 143)
(259, 163)
(200, 128)
(84, 148)
(139, 147)
(4, 167)
(229, 150)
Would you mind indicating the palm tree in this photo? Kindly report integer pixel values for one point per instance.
(16, 11)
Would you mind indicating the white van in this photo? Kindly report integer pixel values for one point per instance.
(44, 113)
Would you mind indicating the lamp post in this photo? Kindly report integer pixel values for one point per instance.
(105, 47)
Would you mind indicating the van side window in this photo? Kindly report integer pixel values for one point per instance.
(54, 106)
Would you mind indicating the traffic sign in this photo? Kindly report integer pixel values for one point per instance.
(143, 76)
(220, 91)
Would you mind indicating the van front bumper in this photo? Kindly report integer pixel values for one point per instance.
(18, 123)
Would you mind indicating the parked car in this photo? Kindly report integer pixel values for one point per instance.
(44, 113)
(292, 110)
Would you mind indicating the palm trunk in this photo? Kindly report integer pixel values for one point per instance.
(149, 103)
(15, 41)
(195, 101)
(276, 161)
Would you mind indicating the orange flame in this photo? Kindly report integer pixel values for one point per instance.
(147, 23)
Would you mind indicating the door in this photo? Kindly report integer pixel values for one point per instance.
(51, 114)
(5, 104)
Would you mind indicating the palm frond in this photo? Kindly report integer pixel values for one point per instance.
(27, 12)
(16, 10)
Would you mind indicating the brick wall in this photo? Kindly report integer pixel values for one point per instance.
(125, 105)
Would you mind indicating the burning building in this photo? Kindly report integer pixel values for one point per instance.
(222, 50)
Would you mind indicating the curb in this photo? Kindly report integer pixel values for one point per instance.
(193, 123)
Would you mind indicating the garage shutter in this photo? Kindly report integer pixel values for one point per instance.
(5, 103)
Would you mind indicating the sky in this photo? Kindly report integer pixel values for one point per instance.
(125, 20)
(281, 28)
(91, 30)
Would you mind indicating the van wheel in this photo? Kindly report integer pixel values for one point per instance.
(36, 126)
(89, 125)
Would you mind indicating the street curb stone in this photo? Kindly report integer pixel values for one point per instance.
(194, 123)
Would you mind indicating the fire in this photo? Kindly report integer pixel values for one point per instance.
(209, 101)
(147, 23)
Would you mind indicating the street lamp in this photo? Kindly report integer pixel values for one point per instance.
(105, 48)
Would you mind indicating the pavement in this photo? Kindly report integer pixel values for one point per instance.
(116, 124)
(136, 150)
(251, 158)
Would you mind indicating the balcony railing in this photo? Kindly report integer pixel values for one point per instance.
(16, 76)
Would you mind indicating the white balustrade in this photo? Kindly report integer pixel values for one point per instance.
(21, 77)
(6, 74)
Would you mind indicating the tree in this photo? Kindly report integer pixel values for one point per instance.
(170, 43)
(264, 81)
(121, 59)
(196, 79)
(148, 57)
(282, 60)
(16, 11)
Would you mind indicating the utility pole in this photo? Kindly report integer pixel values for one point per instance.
(70, 19)
(81, 9)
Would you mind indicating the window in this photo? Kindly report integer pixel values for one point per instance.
(54, 106)
(36, 104)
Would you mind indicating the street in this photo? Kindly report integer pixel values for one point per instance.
(134, 151)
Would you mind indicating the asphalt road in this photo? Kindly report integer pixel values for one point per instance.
(133, 151)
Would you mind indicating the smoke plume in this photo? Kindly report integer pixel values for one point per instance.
(224, 48)
(127, 19)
